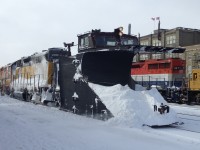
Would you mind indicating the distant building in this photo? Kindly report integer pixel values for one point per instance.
(177, 37)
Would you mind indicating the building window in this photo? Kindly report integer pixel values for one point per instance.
(156, 42)
(144, 43)
(171, 39)
(144, 56)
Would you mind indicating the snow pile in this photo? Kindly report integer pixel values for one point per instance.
(25, 126)
(139, 87)
(134, 108)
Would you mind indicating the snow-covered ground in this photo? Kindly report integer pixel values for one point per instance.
(25, 126)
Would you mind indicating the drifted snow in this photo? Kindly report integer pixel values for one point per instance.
(77, 76)
(75, 95)
(134, 108)
(25, 126)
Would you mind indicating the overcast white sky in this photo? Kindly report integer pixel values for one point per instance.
(28, 26)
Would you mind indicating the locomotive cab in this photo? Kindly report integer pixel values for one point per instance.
(97, 40)
(105, 56)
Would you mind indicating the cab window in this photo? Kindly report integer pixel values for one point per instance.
(84, 42)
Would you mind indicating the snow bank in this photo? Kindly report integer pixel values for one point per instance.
(25, 126)
(134, 108)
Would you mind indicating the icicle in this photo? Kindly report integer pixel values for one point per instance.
(91, 106)
(96, 102)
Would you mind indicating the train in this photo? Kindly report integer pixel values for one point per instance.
(162, 73)
(193, 87)
(57, 78)
(168, 75)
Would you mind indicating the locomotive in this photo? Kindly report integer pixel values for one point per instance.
(162, 73)
(56, 77)
(193, 87)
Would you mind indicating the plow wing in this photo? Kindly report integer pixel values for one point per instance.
(106, 68)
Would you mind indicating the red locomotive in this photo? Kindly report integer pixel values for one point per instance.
(161, 73)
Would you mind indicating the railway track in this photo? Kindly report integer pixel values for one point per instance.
(191, 122)
(189, 116)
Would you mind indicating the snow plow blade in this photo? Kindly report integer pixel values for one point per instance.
(107, 67)
(103, 68)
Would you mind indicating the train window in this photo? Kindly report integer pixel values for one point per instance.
(100, 41)
(136, 66)
(26, 60)
(110, 41)
(194, 76)
(84, 42)
(127, 41)
(164, 65)
(178, 68)
(38, 59)
(103, 41)
(153, 66)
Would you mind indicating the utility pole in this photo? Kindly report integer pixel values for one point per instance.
(129, 29)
